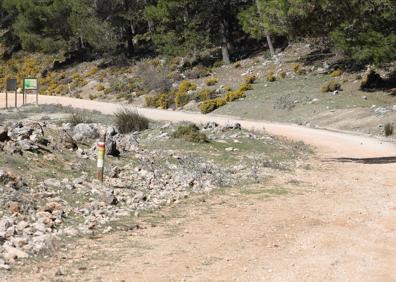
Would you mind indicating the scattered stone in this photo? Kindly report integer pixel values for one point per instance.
(52, 183)
(381, 111)
(211, 125)
(3, 265)
(12, 253)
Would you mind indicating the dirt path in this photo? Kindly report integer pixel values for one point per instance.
(329, 143)
(337, 222)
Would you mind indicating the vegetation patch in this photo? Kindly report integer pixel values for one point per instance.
(182, 97)
(128, 121)
(270, 76)
(77, 118)
(190, 133)
(330, 86)
(211, 81)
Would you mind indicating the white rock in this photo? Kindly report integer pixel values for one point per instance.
(14, 253)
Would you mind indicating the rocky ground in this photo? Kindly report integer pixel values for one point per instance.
(47, 168)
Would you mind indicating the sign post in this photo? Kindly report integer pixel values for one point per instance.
(11, 85)
(30, 84)
(101, 156)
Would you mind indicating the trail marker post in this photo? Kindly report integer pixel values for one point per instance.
(101, 156)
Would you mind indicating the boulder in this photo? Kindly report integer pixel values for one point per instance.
(67, 141)
(109, 198)
(44, 243)
(127, 143)
(19, 132)
(85, 131)
(111, 147)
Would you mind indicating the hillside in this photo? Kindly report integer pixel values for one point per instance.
(287, 88)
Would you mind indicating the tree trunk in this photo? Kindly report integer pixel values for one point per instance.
(267, 35)
(271, 47)
(224, 45)
(150, 24)
(129, 38)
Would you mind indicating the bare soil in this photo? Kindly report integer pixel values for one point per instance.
(333, 219)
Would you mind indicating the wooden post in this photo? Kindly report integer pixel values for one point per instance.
(16, 98)
(6, 99)
(23, 93)
(37, 92)
(101, 157)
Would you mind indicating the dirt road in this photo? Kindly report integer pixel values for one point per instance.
(329, 143)
(337, 222)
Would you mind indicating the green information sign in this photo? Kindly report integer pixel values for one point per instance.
(30, 83)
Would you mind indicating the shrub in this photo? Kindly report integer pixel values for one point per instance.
(100, 87)
(271, 76)
(122, 85)
(190, 133)
(237, 65)
(283, 74)
(371, 80)
(163, 101)
(336, 73)
(197, 72)
(218, 64)
(330, 86)
(213, 104)
(227, 88)
(388, 129)
(92, 72)
(77, 118)
(153, 77)
(181, 99)
(208, 106)
(186, 85)
(296, 68)
(92, 97)
(245, 87)
(235, 95)
(128, 121)
(211, 81)
(166, 100)
(250, 79)
(151, 101)
(220, 102)
(78, 80)
(205, 94)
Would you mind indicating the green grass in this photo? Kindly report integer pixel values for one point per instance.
(275, 101)
(216, 151)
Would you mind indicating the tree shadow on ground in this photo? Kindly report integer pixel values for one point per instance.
(375, 82)
(380, 160)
